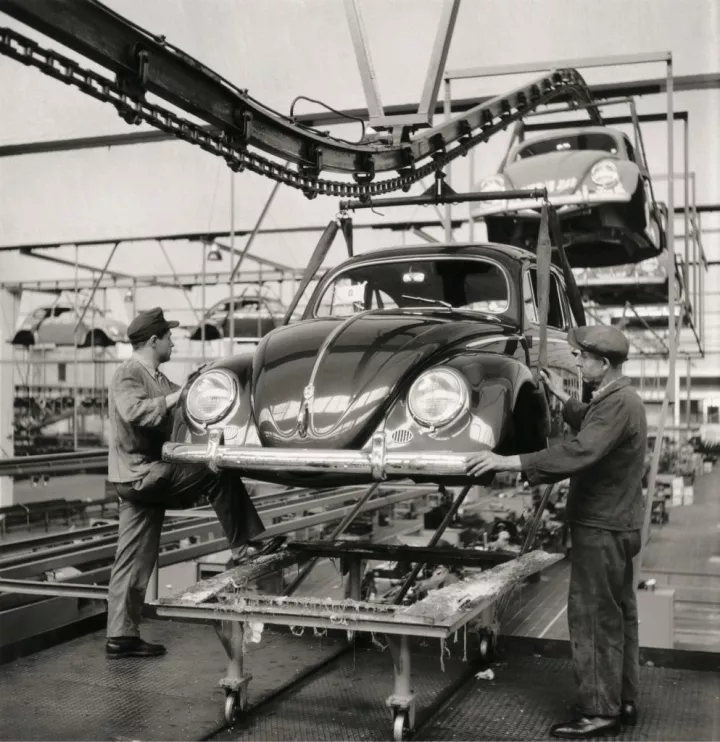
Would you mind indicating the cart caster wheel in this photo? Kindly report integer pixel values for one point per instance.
(232, 708)
(400, 726)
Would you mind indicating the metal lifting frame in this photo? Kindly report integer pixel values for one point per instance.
(376, 114)
(631, 59)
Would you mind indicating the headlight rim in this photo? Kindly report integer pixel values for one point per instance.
(463, 402)
(495, 179)
(233, 400)
(605, 162)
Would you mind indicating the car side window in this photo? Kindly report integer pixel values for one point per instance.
(630, 150)
(556, 315)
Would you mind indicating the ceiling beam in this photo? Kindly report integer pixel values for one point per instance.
(28, 252)
(182, 280)
(328, 118)
(212, 236)
(262, 261)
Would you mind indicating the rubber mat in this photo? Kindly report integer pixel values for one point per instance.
(347, 701)
(529, 694)
(73, 692)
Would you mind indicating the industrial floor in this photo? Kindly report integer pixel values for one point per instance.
(72, 692)
(312, 688)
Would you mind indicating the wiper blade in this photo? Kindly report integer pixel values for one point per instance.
(425, 300)
(440, 304)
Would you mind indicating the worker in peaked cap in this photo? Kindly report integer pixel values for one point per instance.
(141, 412)
(605, 462)
(603, 341)
(149, 323)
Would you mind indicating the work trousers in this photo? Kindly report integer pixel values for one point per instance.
(141, 514)
(603, 619)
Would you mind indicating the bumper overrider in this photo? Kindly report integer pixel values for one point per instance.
(375, 461)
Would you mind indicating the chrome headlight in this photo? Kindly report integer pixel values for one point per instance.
(652, 265)
(438, 396)
(605, 174)
(211, 396)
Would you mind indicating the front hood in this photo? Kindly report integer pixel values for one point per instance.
(357, 378)
(559, 172)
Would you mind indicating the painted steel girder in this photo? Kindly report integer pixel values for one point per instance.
(145, 62)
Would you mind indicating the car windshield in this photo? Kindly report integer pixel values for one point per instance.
(595, 141)
(471, 285)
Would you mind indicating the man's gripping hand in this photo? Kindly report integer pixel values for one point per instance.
(487, 461)
(554, 384)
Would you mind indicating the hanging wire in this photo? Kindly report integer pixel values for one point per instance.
(329, 108)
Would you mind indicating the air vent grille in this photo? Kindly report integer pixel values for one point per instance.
(402, 436)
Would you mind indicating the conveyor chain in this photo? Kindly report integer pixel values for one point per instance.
(239, 122)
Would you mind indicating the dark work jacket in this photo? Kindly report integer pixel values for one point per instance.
(605, 461)
(139, 420)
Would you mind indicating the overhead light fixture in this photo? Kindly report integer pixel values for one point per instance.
(129, 296)
(214, 255)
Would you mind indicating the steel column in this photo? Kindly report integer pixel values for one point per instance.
(438, 58)
(231, 285)
(368, 76)
(448, 168)
(203, 299)
(182, 288)
(76, 398)
(255, 230)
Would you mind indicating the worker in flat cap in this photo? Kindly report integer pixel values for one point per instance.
(605, 508)
(141, 404)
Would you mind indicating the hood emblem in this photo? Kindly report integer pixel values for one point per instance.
(304, 414)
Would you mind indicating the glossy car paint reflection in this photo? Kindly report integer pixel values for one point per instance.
(361, 379)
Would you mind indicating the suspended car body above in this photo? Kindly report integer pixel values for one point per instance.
(601, 190)
(640, 283)
(60, 325)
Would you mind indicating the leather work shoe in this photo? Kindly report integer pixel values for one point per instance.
(628, 713)
(132, 646)
(257, 548)
(270, 546)
(585, 727)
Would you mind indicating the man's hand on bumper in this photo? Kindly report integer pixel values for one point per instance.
(487, 461)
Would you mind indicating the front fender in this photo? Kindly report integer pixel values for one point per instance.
(494, 381)
(629, 179)
(238, 423)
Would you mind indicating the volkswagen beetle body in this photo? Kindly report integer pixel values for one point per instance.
(60, 325)
(254, 317)
(405, 362)
(599, 186)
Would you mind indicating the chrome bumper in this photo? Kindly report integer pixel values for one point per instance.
(376, 462)
(526, 206)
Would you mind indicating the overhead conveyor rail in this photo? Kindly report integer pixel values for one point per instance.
(145, 63)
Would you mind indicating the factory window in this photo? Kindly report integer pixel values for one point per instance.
(62, 371)
(713, 415)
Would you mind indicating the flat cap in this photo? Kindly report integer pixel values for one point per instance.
(149, 323)
(601, 340)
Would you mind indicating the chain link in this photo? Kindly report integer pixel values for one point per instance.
(136, 111)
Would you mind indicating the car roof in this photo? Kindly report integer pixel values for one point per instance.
(505, 253)
(557, 133)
